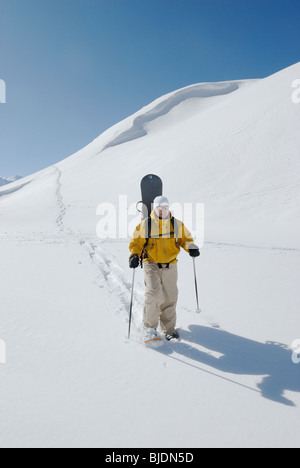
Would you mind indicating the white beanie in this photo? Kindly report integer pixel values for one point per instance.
(160, 201)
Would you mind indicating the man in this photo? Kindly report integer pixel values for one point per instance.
(158, 250)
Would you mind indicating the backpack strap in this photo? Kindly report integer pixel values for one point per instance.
(175, 227)
(148, 234)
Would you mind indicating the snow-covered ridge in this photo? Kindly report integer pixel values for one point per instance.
(9, 180)
(167, 103)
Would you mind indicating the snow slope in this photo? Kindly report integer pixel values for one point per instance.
(71, 377)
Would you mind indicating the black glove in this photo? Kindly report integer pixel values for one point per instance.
(134, 261)
(194, 251)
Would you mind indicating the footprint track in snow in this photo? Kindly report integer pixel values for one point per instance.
(60, 202)
(110, 274)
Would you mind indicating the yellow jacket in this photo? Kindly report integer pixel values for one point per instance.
(163, 247)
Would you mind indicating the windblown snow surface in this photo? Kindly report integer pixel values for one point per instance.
(72, 378)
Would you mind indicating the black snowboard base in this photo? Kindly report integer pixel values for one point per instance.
(151, 187)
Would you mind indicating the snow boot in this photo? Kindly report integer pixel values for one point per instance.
(172, 336)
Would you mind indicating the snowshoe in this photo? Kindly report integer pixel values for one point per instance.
(151, 336)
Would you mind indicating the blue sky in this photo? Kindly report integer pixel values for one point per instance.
(73, 68)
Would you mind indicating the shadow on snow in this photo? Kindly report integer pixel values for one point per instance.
(241, 356)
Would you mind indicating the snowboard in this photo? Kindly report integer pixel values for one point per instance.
(151, 187)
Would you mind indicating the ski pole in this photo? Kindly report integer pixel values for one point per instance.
(131, 304)
(196, 287)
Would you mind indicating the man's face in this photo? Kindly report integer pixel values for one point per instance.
(162, 212)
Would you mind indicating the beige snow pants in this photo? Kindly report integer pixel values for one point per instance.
(161, 296)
